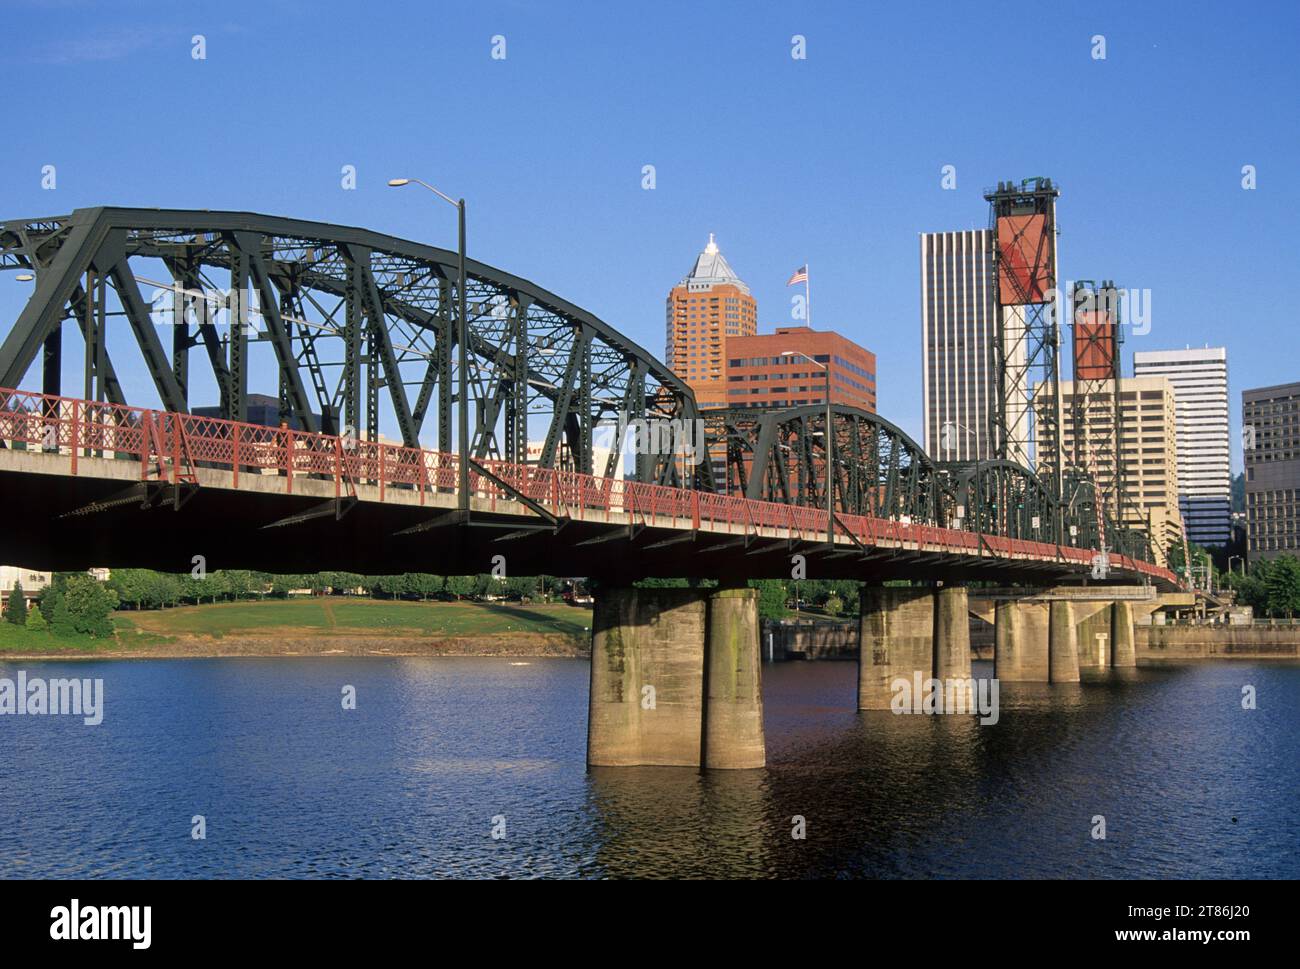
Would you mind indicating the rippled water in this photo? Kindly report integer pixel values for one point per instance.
(409, 783)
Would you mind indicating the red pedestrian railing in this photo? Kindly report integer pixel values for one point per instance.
(173, 447)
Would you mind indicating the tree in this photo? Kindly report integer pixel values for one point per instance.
(1283, 584)
(423, 584)
(460, 585)
(36, 621)
(16, 606)
(521, 586)
(88, 604)
(238, 582)
(833, 605)
(772, 596)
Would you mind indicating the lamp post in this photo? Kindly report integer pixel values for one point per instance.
(462, 425)
(945, 436)
(830, 446)
(1240, 559)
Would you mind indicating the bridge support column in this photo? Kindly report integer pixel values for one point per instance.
(1093, 624)
(896, 639)
(733, 681)
(1062, 644)
(1123, 652)
(647, 677)
(952, 638)
(1020, 650)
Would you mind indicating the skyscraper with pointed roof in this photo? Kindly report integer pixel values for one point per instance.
(709, 305)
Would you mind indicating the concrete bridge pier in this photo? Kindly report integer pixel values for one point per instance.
(1062, 643)
(1020, 641)
(952, 639)
(895, 639)
(1123, 650)
(1094, 622)
(733, 680)
(905, 631)
(675, 679)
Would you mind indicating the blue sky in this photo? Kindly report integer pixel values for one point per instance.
(834, 160)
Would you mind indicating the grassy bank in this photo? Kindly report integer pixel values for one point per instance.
(322, 625)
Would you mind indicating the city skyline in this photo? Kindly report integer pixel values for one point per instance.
(851, 209)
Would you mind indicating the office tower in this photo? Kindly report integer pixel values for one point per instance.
(1148, 458)
(706, 308)
(758, 375)
(958, 331)
(1270, 419)
(1200, 382)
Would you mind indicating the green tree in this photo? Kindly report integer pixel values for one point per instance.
(423, 584)
(36, 621)
(460, 585)
(521, 586)
(239, 583)
(833, 605)
(16, 605)
(1283, 584)
(89, 604)
(772, 596)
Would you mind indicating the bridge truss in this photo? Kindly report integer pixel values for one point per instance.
(348, 325)
(344, 324)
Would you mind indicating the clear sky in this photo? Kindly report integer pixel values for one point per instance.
(834, 160)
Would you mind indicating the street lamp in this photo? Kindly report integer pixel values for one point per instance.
(1239, 558)
(830, 446)
(462, 427)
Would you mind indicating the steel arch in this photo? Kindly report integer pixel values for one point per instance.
(1003, 498)
(359, 323)
(779, 455)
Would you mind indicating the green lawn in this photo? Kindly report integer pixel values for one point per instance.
(18, 639)
(340, 615)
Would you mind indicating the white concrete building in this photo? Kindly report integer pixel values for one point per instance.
(32, 581)
(1200, 381)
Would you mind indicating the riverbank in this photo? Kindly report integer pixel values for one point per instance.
(321, 626)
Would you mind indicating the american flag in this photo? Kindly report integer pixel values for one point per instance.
(800, 276)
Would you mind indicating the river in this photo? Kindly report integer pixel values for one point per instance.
(439, 752)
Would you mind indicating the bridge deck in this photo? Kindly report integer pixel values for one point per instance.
(228, 481)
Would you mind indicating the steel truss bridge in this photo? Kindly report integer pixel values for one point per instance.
(350, 326)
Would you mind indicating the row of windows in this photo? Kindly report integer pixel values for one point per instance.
(777, 361)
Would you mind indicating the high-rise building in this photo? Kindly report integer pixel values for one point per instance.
(1200, 381)
(1148, 474)
(959, 329)
(1270, 418)
(758, 375)
(704, 310)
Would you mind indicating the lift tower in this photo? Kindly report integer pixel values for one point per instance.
(1027, 411)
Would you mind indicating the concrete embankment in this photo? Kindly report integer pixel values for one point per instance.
(197, 647)
(1164, 643)
(839, 640)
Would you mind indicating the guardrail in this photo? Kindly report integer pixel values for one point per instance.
(173, 447)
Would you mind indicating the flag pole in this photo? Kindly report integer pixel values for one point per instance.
(807, 295)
